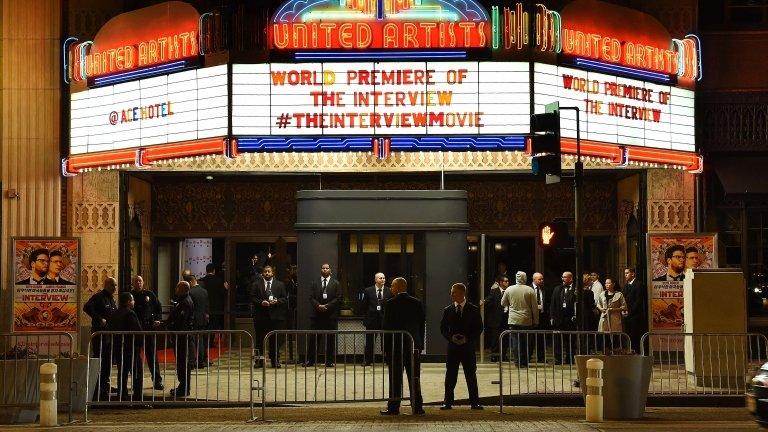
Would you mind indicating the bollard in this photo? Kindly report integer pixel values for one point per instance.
(594, 398)
(48, 403)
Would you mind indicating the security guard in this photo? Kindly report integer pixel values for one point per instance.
(182, 318)
(150, 312)
(127, 347)
(100, 307)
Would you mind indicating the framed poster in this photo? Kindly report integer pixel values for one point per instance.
(670, 255)
(46, 281)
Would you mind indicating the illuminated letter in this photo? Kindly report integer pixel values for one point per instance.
(363, 35)
(390, 36)
(345, 34)
(327, 27)
(409, 35)
(467, 26)
(428, 33)
(481, 33)
(280, 35)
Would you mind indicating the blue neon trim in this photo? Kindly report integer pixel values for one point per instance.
(398, 143)
(622, 69)
(64, 56)
(141, 73)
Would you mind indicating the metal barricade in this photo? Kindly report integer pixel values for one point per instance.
(536, 363)
(21, 355)
(717, 364)
(182, 368)
(335, 367)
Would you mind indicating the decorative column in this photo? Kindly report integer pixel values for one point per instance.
(671, 201)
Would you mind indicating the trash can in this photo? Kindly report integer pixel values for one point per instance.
(625, 384)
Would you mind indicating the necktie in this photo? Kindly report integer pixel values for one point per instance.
(458, 310)
(324, 284)
(269, 287)
(378, 294)
(538, 295)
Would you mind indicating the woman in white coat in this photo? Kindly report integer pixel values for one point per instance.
(613, 307)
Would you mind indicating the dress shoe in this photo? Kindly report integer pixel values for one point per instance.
(419, 412)
(175, 393)
(576, 383)
(159, 386)
(276, 365)
(445, 407)
(330, 364)
(477, 407)
(389, 412)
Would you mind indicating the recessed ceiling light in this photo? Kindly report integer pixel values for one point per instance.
(209, 177)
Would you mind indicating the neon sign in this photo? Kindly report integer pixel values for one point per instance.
(379, 24)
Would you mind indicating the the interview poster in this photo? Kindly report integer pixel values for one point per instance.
(46, 281)
(670, 256)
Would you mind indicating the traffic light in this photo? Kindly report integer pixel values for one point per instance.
(553, 235)
(545, 143)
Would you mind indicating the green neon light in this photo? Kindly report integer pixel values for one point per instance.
(557, 23)
(495, 27)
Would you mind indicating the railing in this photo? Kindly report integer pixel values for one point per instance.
(541, 362)
(21, 355)
(186, 368)
(718, 364)
(336, 367)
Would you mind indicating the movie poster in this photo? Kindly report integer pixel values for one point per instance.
(670, 256)
(46, 281)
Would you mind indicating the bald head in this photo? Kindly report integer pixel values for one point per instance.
(379, 279)
(567, 278)
(110, 285)
(538, 279)
(182, 288)
(399, 285)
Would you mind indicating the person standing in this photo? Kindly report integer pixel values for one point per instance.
(543, 300)
(325, 297)
(127, 347)
(270, 310)
(374, 299)
(403, 313)
(217, 290)
(461, 326)
(495, 320)
(182, 318)
(100, 307)
(149, 311)
(597, 287)
(562, 313)
(612, 307)
(202, 314)
(523, 316)
(636, 321)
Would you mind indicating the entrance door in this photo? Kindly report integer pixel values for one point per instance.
(362, 255)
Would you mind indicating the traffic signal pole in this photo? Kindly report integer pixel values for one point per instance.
(578, 235)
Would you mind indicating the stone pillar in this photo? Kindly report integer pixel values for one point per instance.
(671, 201)
(94, 217)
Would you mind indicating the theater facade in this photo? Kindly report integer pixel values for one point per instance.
(376, 135)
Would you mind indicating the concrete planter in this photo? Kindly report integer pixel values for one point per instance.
(625, 384)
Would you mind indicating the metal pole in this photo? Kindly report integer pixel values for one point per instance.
(482, 294)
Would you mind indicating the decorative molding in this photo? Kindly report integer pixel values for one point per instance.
(626, 209)
(671, 216)
(95, 217)
(736, 121)
(92, 277)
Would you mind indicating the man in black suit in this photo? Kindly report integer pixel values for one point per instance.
(100, 307)
(495, 318)
(270, 310)
(562, 316)
(38, 266)
(543, 299)
(461, 326)
(403, 313)
(636, 321)
(217, 296)
(325, 298)
(374, 299)
(675, 258)
(202, 315)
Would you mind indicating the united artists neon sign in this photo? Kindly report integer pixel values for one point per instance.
(380, 24)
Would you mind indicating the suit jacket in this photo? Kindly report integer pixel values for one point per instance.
(636, 297)
(182, 316)
(100, 306)
(125, 320)
(200, 299)
(217, 294)
(373, 316)
(276, 312)
(562, 317)
(406, 313)
(469, 324)
(147, 308)
(333, 289)
(544, 313)
(61, 281)
(494, 312)
(28, 281)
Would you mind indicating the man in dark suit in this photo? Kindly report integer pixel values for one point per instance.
(217, 296)
(270, 310)
(403, 313)
(562, 316)
(100, 307)
(544, 300)
(495, 318)
(675, 258)
(182, 318)
(202, 314)
(325, 297)
(374, 299)
(150, 312)
(461, 326)
(127, 347)
(636, 321)
(38, 266)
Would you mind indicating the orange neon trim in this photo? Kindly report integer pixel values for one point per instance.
(76, 163)
(233, 150)
(593, 148)
(184, 149)
(690, 161)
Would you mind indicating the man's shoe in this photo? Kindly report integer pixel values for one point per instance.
(419, 412)
(330, 364)
(276, 365)
(576, 383)
(445, 407)
(389, 412)
(178, 394)
(477, 407)
(159, 386)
